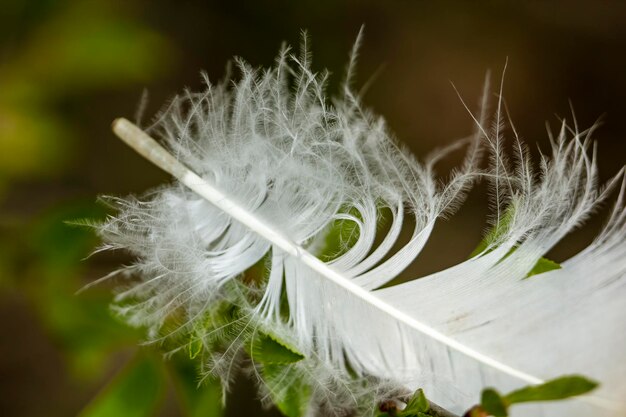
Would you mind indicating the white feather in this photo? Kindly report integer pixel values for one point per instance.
(265, 167)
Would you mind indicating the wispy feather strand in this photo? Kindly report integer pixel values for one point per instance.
(275, 145)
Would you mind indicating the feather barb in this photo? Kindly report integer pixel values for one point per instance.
(155, 153)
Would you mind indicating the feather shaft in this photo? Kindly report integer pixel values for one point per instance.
(155, 153)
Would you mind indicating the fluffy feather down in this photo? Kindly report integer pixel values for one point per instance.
(294, 163)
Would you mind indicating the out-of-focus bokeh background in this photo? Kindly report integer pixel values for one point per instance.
(69, 67)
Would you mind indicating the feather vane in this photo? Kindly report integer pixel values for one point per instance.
(264, 169)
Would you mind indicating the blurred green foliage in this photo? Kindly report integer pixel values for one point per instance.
(61, 50)
(67, 48)
(83, 328)
(136, 392)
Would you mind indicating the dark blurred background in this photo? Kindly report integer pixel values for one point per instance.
(68, 68)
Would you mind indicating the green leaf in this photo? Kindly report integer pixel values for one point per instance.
(195, 347)
(495, 233)
(341, 236)
(135, 392)
(218, 325)
(289, 392)
(493, 403)
(499, 230)
(543, 265)
(557, 389)
(269, 350)
(417, 404)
